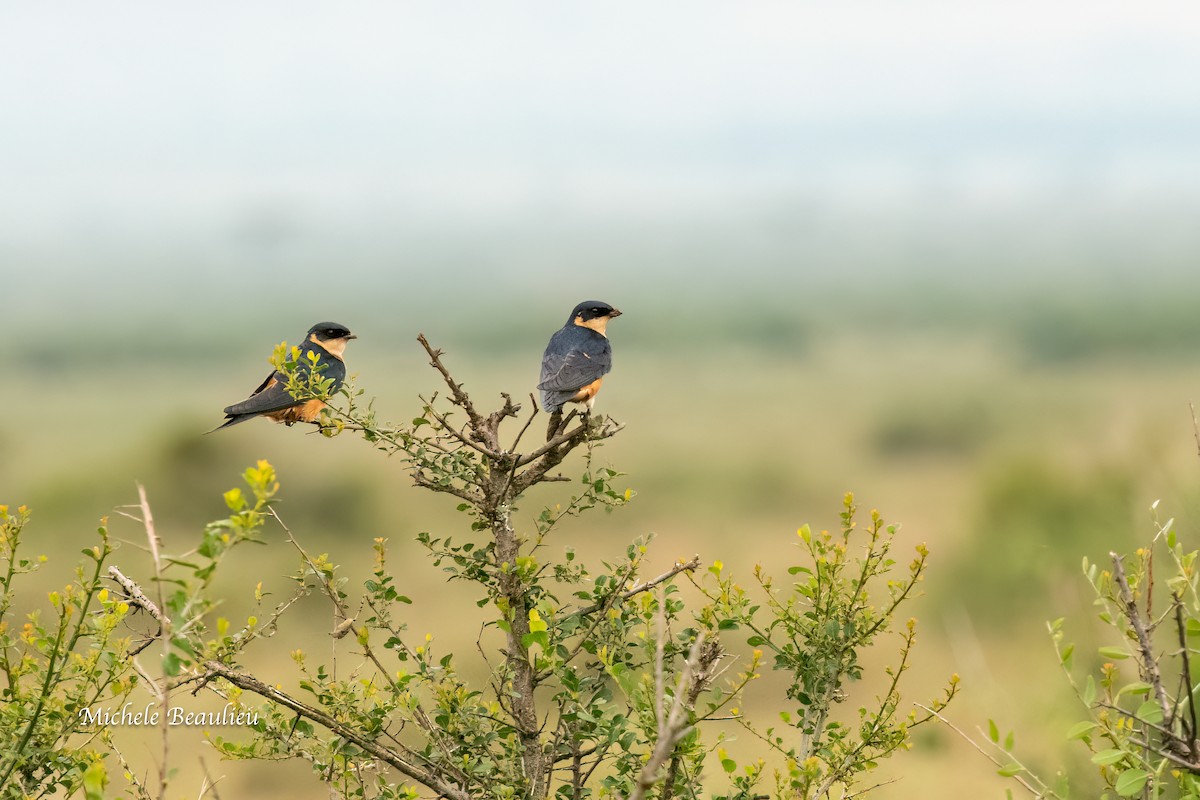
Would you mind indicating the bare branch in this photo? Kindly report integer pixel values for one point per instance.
(605, 430)
(1133, 717)
(492, 423)
(546, 458)
(1147, 662)
(135, 594)
(420, 479)
(164, 635)
(1167, 754)
(1184, 656)
(138, 599)
(457, 395)
(425, 776)
(533, 402)
(1024, 783)
(454, 432)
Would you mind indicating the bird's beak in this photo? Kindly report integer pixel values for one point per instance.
(614, 313)
(351, 336)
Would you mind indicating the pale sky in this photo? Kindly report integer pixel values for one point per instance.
(123, 122)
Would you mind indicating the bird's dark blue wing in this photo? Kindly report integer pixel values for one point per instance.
(566, 373)
(272, 395)
(573, 359)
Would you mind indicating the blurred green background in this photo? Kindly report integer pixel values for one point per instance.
(944, 257)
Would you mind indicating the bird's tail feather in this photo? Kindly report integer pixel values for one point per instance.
(233, 420)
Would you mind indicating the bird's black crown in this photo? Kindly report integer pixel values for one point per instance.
(329, 330)
(592, 309)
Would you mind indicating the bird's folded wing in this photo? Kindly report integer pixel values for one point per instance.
(572, 370)
(272, 395)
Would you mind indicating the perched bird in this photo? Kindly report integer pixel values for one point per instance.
(576, 360)
(273, 400)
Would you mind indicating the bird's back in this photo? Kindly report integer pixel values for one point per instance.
(575, 357)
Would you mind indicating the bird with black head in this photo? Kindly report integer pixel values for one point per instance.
(576, 360)
(272, 399)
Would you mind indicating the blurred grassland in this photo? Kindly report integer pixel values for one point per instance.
(1014, 432)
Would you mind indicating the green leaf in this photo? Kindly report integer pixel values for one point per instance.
(540, 638)
(626, 679)
(1151, 712)
(993, 731)
(1010, 769)
(1067, 652)
(728, 764)
(1106, 757)
(171, 663)
(1131, 781)
(1080, 730)
(1115, 653)
(1089, 691)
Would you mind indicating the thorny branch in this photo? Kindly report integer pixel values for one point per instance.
(1181, 749)
(1147, 661)
(426, 776)
(1189, 730)
(457, 395)
(138, 599)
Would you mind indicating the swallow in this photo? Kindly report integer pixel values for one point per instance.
(576, 360)
(272, 398)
